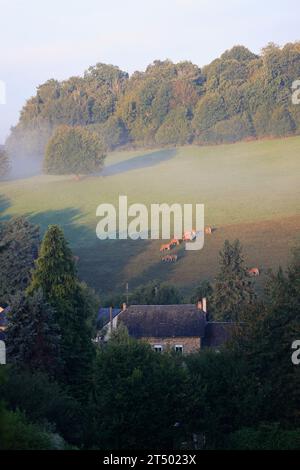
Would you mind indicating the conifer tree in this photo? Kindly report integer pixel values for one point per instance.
(266, 343)
(233, 288)
(55, 274)
(19, 242)
(33, 336)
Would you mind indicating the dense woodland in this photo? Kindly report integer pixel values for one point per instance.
(61, 391)
(240, 95)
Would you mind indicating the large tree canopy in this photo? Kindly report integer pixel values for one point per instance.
(74, 150)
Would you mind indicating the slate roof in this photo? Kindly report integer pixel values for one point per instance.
(3, 317)
(163, 321)
(104, 315)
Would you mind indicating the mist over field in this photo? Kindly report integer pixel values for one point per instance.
(25, 167)
(235, 182)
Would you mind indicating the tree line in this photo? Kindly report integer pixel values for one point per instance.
(240, 95)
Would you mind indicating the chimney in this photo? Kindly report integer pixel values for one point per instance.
(204, 305)
(124, 306)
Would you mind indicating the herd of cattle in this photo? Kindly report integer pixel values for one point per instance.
(187, 236)
(190, 236)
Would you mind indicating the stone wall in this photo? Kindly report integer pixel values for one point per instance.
(189, 344)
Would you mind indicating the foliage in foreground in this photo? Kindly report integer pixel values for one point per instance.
(265, 437)
(123, 395)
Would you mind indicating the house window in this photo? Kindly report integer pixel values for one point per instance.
(158, 348)
(179, 348)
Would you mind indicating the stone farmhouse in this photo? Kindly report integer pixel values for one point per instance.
(183, 328)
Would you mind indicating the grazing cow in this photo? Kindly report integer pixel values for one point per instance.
(189, 236)
(254, 272)
(165, 247)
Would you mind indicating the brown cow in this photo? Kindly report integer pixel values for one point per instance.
(253, 272)
(189, 236)
(165, 247)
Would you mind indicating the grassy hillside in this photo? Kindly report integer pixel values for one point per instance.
(251, 191)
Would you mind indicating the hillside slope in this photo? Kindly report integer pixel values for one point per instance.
(251, 191)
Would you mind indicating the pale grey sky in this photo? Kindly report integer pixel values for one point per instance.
(59, 38)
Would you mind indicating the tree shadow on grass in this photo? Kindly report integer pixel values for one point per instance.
(108, 260)
(68, 219)
(100, 263)
(4, 205)
(163, 272)
(135, 163)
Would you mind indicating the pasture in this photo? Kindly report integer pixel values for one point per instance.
(251, 191)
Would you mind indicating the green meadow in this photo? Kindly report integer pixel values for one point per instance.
(250, 190)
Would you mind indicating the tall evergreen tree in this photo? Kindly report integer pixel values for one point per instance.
(266, 343)
(19, 242)
(233, 290)
(33, 337)
(55, 274)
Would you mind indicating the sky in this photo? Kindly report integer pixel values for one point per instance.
(57, 39)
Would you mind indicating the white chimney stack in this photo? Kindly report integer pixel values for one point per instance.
(204, 305)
